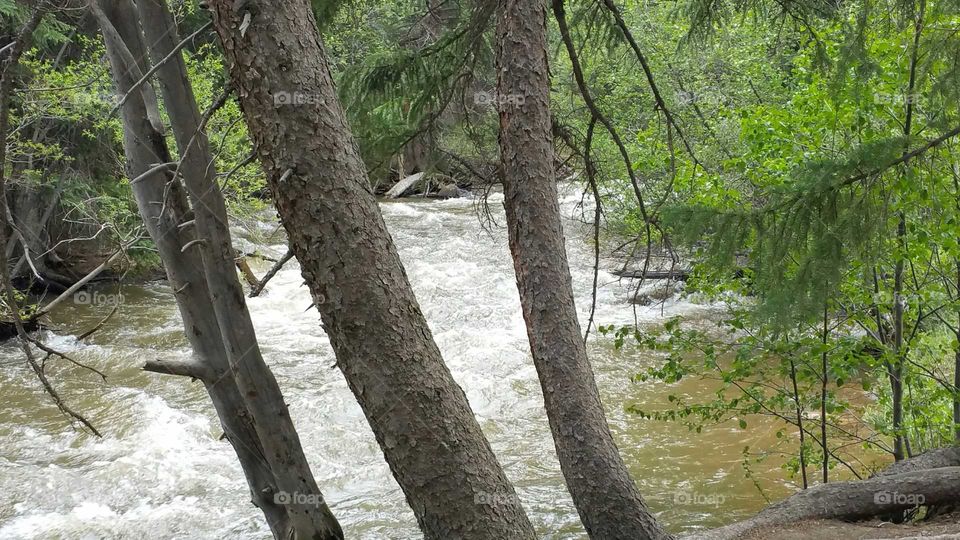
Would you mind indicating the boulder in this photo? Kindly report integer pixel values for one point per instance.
(448, 191)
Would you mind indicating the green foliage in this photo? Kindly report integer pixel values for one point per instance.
(50, 32)
(806, 183)
(65, 135)
(227, 132)
(64, 138)
(393, 93)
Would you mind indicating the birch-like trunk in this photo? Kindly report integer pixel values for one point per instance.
(264, 455)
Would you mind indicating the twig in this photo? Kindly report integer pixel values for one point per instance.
(53, 352)
(157, 66)
(597, 213)
(272, 272)
(6, 84)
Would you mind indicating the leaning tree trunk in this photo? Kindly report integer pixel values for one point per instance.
(956, 392)
(163, 206)
(282, 449)
(608, 501)
(851, 501)
(420, 416)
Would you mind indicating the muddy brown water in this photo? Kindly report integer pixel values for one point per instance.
(162, 472)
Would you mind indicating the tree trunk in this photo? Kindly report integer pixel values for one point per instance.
(956, 329)
(609, 503)
(278, 436)
(956, 393)
(799, 408)
(419, 414)
(896, 369)
(863, 499)
(824, 379)
(163, 206)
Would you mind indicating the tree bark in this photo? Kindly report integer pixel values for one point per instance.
(419, 414)
(607, 500)
(956, 393)
(824, 379)
(863, 499)
(294, 482)
(163, 206)
(931, 459)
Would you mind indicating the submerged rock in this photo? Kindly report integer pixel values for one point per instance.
(448, 191)
(657, 292)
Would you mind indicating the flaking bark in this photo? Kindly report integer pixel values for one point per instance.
(384, 347)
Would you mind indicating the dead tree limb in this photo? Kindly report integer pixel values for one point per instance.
(272, 272)
(86, 279)
(677, 274)
(53, 352)
(6, 84)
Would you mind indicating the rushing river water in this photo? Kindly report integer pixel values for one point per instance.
(161, 470)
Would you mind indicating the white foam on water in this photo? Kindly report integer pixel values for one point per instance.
(162, 472)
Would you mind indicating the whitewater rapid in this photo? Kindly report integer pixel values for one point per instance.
(161, 470)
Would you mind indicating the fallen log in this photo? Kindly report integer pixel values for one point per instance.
(931, 459)
(880, 495)
(70, 291)
(403, 186)
(677, 274)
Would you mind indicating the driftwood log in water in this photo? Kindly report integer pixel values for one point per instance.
(244, 267)
(677, 274)
(403, 186)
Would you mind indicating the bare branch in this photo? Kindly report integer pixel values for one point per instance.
(158, 65)
(184, 368)
(272, 272)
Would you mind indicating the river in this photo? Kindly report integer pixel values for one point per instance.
(161, 470)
